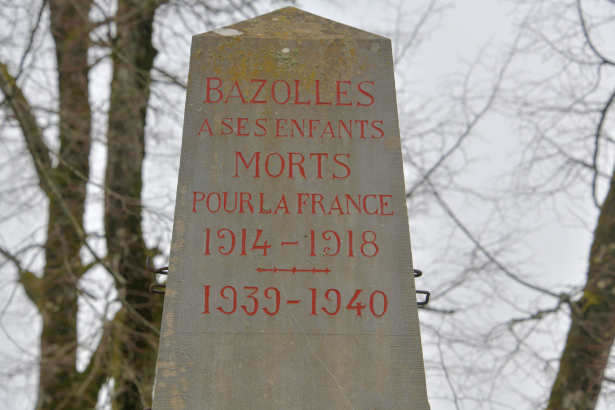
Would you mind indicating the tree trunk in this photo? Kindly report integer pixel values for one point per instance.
(592, 331)
(57, 301)
(135, 346)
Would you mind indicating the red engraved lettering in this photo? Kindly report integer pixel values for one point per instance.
(243, 242)
(273, 94)
(318, 102)
(235, 87)
(230, 127)
(357, 207)
(378, 129)
(291, 163)
(215, 89)
(254, 301)
(255, 158)
(246, 201)
(357, 306)
(294, 124)
(368, 242)
(262, 127)
(348, 129)
(337, 240)
(206, 307)
(365, 93)
(338, 207)
(384, 204)
(241, 127)
(254, 100)
(313, 291)
(219, 202)
(207, 233)
(277, 301)
(205, 123)
(297, 95)
(328, 130)
(312, 128)
(314, 202)
(225, 201)
(194, 200)
(365, 205)
(362, 123)
(262, 211)
(338, 303)
(350, 249)
(282, 165)
(221, 235)
(319, 156)
(262, 247)
(279, 127)
(342, 164)
(234, 293)
(300, 203)
(340, 93)
(282, 205)
(385, 303)
(312, 245)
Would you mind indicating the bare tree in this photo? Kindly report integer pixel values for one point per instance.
(497, 323)
(570, 115)
(91, 86)
(53, 113)
(493, 330)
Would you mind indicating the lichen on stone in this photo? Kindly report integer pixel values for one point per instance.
(287, 60)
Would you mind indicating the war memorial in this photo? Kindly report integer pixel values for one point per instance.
(290, 283)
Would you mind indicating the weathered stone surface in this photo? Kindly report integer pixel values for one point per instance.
(290, 283)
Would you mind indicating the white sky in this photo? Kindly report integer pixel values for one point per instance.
(466, 28)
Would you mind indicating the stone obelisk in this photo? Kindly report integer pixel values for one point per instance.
(290, 283)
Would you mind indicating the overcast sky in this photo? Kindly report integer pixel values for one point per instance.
(465, 29)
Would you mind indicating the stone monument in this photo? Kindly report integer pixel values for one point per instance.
(290, 283)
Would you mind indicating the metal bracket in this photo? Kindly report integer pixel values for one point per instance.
(159, 288)
(156, 287)
(417, 274)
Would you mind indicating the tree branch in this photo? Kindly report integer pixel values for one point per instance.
(599, 129)
(27, 122)
(29, 280)
(588, 38)
(471, 123)
(31, 41)
(484, 251)
(81, 233)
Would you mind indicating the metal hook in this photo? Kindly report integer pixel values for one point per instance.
(417, 274)
(427, 294)
(164, 270)
(154, 286)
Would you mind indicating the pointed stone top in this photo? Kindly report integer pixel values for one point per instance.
(292, 23)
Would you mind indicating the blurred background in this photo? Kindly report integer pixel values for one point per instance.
(507, 117)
